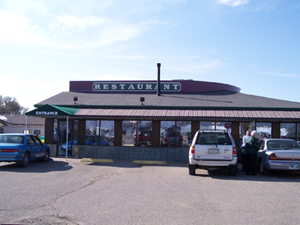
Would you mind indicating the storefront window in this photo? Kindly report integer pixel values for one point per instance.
(223, 126)
(129, 130)
(99, 132)
(107, 132)
(144, 129)
(207, 125)
(185, 130)
(167, 134)
(215, 125)
(288, 130)
(175, 134)
(264, 130)
(92, 132)
(244, 126)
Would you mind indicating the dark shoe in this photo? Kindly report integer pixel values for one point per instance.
(253, 174)
(247, 173)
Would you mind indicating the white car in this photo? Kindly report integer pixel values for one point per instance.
(278, 154)
(213, 149)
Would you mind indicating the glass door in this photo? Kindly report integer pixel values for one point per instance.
(62, 135)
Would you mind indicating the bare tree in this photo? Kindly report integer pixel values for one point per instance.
(9, 105)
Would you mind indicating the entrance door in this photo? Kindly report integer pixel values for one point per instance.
(61, 138)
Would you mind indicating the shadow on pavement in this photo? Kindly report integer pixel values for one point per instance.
(130, 164)
(36, 167)
(273, 176)
(222, 174)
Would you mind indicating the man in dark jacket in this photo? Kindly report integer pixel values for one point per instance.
(252, 146)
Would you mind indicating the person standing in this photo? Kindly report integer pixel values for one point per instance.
(252, 146)
(245, 138)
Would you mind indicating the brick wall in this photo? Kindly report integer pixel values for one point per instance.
(134, 153)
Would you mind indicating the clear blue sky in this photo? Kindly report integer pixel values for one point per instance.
(252, 44)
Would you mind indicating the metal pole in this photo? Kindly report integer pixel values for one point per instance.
(26, 126)
(137, 134)
(158, 79)
(67, 131)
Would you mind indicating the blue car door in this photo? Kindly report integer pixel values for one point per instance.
(32, 147)
(40, 147)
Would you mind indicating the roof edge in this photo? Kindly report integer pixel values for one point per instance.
(74, 107)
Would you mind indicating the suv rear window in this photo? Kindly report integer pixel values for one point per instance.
(213, 138)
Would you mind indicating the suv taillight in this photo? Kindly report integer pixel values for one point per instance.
(273, 157)
(234, 150)
(192, 149)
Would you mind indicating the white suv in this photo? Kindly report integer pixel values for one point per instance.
(212, 149)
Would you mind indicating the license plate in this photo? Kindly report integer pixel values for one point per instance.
(213, 151)
(294, 167)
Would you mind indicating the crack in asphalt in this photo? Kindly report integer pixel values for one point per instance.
(101, 177)
(57, 219)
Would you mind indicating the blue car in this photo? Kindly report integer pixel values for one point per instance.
(22, 148)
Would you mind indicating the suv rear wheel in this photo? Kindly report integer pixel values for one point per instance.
(233, 170)
(192, 169)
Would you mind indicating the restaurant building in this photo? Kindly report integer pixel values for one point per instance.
(156, 120)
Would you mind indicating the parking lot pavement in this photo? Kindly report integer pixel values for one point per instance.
(74, 192)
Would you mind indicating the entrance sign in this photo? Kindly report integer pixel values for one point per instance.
(45, 113)
(142, 86)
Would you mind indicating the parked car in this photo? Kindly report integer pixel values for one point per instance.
(22, 148)
(213, 149)
(278, 154)
(89, 140)
(171, 139)
(144, 138)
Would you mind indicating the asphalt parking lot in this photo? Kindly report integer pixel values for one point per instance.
(74, 192)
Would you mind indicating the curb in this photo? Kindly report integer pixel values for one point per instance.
(144, 162)
(97, 160)
(150, 162)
